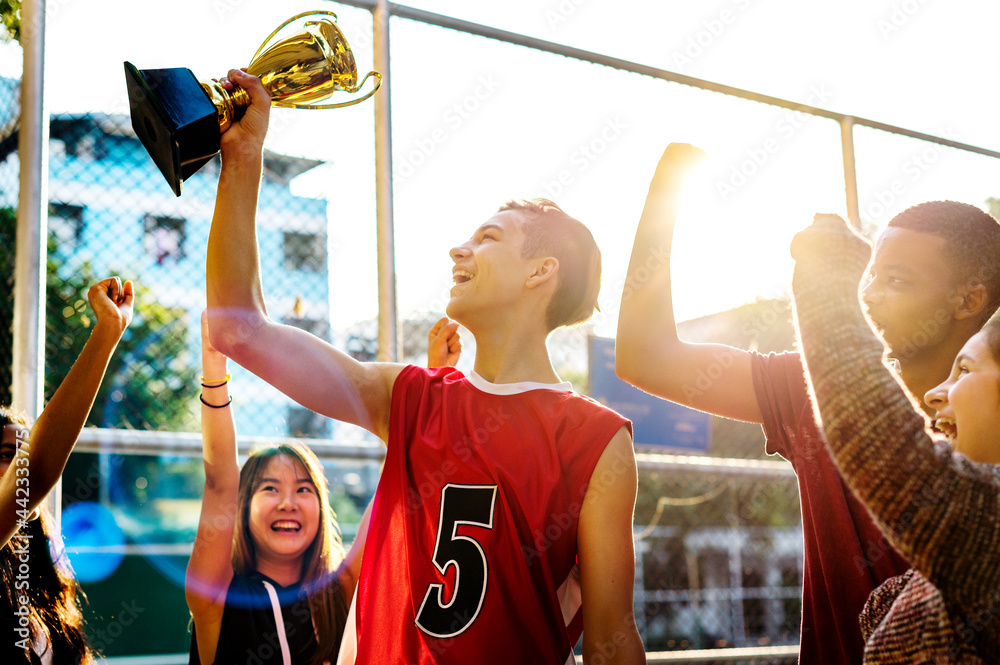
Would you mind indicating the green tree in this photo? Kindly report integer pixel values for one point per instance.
(993, 205)
(10, 17)
(10, 14)
(150, 382)
(151, 379)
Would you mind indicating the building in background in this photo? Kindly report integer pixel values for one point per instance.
(111, 212)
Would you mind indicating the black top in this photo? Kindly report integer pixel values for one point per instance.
(249, 636)
(12, 645)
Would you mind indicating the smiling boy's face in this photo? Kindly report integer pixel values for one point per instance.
(909, 290)
(489, 270)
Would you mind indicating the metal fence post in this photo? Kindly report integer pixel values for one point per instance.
(32, 210)
(850, 173)
(388, 320)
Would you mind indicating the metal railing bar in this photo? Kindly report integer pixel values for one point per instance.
(489, 32)
(768, 655)
(141, 442)
(763, 655)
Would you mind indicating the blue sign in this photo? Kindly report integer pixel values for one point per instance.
(655, 422)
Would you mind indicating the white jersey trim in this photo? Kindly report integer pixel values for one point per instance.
(348, 653)
(570, 601)
(515, 388)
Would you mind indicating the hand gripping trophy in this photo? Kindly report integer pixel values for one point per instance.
(180, 119)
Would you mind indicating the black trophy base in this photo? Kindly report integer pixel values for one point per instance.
(174, 119)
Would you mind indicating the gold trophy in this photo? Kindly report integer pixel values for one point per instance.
(180, 119)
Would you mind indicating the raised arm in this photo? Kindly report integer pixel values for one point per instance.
(607, 557)
(350, 568)
(938, 509)
(648, 352)
(36, 467)
(210, 568)
(307, 369)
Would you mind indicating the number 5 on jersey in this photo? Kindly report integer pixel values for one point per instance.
(460, 504)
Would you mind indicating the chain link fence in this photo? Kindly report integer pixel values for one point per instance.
(718, 556)
(718, 550)
(719, 562)
(111, 213)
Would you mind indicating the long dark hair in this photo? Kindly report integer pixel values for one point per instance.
(54, 597)
(327, 603)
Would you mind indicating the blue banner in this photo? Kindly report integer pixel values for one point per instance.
(655, 422)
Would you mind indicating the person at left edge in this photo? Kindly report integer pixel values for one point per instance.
(40, 617)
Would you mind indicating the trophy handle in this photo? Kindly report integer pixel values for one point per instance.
(314, 12)
(340, 105)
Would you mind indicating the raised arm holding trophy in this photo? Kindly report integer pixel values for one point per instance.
(180, 119)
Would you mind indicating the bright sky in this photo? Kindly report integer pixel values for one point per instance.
(476, 122)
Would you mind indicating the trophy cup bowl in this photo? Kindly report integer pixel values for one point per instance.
(180, 120)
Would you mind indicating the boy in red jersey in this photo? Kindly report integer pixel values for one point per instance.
(933, 281)
(495, 484)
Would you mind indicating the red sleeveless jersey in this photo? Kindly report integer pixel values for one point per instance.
(472, 538)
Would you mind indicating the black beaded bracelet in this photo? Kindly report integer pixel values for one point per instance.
(215, 406)
(214, 385)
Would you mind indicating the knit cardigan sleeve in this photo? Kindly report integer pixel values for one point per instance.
(939, 510)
